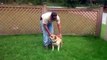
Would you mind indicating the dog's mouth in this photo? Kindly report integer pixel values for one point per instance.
(53, 41)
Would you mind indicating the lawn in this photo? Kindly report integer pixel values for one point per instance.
(103, 30)
(29, 47)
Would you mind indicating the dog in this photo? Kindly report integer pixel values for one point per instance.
(56, 41)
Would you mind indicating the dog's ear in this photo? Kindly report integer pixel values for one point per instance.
(50, 36)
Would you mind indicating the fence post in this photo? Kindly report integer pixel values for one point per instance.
(44, 8)
(99, 22)
(105, 37)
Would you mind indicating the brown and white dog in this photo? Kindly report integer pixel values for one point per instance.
(56, 41)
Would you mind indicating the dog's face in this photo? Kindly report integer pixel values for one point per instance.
(53, 38)
(56, 41)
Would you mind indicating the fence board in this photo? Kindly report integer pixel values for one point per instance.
(25, 20)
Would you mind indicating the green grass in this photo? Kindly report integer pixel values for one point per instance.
(29, 47)
(103, 30)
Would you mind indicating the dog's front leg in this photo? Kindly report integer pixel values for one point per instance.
(52, 47)
(58, 47)
(60, 44)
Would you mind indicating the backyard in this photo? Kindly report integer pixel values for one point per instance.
(29, 47)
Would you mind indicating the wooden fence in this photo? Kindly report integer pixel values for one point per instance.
(25, 20)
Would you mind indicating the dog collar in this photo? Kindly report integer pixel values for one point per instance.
(54, 42)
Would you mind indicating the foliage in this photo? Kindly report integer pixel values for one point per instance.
(68, 3)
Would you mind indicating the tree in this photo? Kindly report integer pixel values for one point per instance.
(37, 2)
